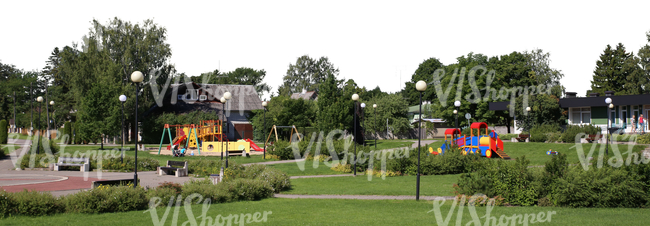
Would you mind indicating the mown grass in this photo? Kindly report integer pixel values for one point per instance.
(436, 185)
(338, 212)
(294, 169)
(388, 144)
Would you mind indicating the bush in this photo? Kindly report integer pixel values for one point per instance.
(572, 131)
(204, 167)
(164, 193)
(67, 130)
(4, 136)
(347, 168)
(545, 132)
(277, 179)
(107, 199)
(34, 203)
(247, 189)
(6, 204)
(176, 187)
(508, 179)
(284, 149)
(144, 164)
(643, 139)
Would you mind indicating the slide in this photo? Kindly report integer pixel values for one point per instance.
(176, 141)
(254, 146)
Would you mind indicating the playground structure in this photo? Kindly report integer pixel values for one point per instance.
(275, 129)
(485, 144)
(207, 138)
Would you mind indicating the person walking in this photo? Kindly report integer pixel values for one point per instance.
(633, 123)
(641, 124)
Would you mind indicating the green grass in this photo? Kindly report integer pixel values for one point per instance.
(437, 185)
(536, 152)
(388, 144)
(346, 212)
(292, 169)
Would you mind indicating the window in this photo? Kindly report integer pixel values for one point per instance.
(203, 97)
(580, 115)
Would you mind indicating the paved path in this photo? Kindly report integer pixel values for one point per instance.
(366, 197)
(65, 182)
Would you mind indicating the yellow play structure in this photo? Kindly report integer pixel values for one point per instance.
(207, 138)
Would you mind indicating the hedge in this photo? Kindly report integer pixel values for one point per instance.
(4, 136)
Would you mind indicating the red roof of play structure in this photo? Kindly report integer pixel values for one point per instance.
(479, 125)
(452, 131)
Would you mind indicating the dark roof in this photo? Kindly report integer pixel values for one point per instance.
(305, 96)
(244, 97)
(587, 101)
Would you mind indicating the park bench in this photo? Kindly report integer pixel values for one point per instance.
(83, 163)
(522, 137)
(593, 137)
(236, 152)
(179, 168)
(118, 182)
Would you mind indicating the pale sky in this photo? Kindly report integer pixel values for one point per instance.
(372, 42)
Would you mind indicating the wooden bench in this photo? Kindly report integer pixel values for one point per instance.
(522, 137)
(179, 168)
(593, 137)
(236, 152)
(83, 163)
(119, 182)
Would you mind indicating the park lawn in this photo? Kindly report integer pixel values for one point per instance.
(346, 212)
(388, 144)
(434, 185)
(536, 151)
(293, 168)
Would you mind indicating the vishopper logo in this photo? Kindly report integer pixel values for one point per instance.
(488, 219)
(615, 161)
(491, 94)
(348, 157)
(241, 219)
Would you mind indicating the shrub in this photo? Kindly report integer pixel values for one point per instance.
(164, 193)
(41, 160)
(247, 189)
(35, 203)
(106, 200)
(6, 204)
(4, 136)
(569, 134)
(643, 139)
(347, 168)
(144, 164)
(544, 132)
(284, 149)
(277, 179)
(67, 130)
(204, 167)
(171, 185)
(599, 187)
(508, 179)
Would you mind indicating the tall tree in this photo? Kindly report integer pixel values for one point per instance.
(611, 73)
(306, 74)
(643, 76)
(424, 72)
(240, 76)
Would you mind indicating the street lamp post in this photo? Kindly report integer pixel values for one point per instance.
(223, 108)
(122, 99)
(264, 103)
(40, 109)
(457, 104)
(363, 106)
(137, 77)
(15, 130)
(608, 101)
(355, 98)
(48, 123)
(530, 123)
(421, 86)
(227, 95)
(374, 106)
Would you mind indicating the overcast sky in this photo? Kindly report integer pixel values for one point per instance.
(376, 43)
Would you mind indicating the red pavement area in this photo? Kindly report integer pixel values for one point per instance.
(72, 183)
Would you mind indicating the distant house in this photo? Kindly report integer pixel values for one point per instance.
(311, 95)
(190, 97)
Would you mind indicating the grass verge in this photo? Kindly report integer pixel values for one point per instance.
(437, 185)
(337, 212)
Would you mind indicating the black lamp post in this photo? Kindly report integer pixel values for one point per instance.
(223, 108)
(264, 103)
(608, 101)
(137, 77)
(374, 106)
(227, 96)
(530, 123)
(457, 104)
(355, 98)
(40, 111)
(421, 86)
(122, 99)
(48, 123)
(363, 106)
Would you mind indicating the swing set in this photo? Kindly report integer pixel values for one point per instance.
(275, 129)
